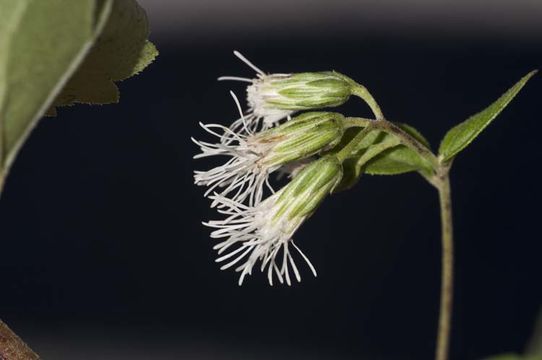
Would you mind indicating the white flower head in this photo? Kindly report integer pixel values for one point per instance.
(263, 233)
(252, 157)
(245, 175)
(259, 115)
(274, 97)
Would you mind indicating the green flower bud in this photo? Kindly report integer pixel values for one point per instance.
(274, 97)
(303, 136)
(302, 91)
(309, 187)
(252, 158)
(263, 233)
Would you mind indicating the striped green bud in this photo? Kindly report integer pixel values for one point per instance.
(301, 197)
(303, 136)
(301, 91)
(263, 233)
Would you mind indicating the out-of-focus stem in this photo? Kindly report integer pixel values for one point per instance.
(12, 347)
(2, 178)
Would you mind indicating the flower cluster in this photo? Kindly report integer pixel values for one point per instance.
(259, 222)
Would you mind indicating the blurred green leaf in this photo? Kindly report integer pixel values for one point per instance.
(48, 39)
(59, 52)
(514, 357)
(397, 161)
(505, 357)
(533, 350)
(460, 136)
(415, 134)
(121, 51)
(534, 346)
(9, 18)
(353, 166)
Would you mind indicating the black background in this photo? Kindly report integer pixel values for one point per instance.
(103, 254)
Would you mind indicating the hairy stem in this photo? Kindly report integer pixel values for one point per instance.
(446, 291)
(12, 347)
(404, 137)
(407, 140)
(441, 180)
(364, 94)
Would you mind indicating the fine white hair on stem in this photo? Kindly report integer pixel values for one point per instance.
(257, 234)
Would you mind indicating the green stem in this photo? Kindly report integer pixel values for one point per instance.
(446, 293)
(350, 122)
(440, 179)
(405, 138)
(364, 94)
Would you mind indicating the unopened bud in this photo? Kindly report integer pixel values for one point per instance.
(263, 233)
(253, 157)
(272, 94)
(309, 187)
(303, 136)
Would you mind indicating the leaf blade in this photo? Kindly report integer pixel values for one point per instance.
(41, 57)
(9, 19)
(460, 136)
(35, 74)
(121, 51)
(397, 161)
(382, 154)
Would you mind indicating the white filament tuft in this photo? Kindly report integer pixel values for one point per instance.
(250, 64)
(256, 234)
(244, 176)
(261, 115)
